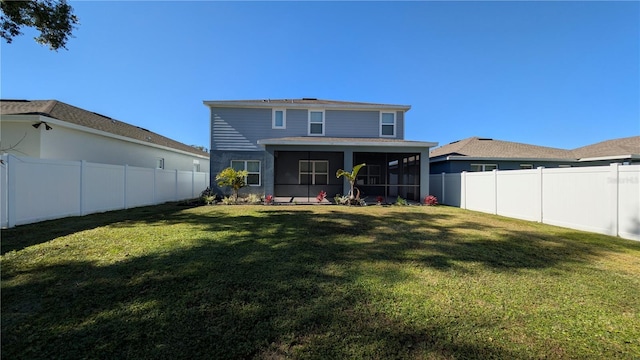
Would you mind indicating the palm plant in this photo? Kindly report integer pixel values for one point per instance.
(233, 178)
(351, 177)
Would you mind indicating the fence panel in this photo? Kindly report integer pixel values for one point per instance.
(481, 191)
(519, 194)
(200, 183)
(435, 187)
(103, 188)
(185, 185)
(140, 188)
(577, 198)
(453, 189)
(629, 202)
(33, 190)
(42, 190)
(165, 186)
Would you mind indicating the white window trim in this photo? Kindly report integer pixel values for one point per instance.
(284, 118)
(324, 121)
(245, 168)
(312, 171)
(395, 124)
(160, 163)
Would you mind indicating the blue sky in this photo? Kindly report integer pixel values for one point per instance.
(560, 74)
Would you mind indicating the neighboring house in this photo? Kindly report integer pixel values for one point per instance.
(50, 129)
(293, 148)
(484, 154)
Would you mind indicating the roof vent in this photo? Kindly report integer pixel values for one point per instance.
(143, 129)
(485, 139)
(309, 99)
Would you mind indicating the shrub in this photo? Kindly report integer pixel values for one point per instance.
(253, 199)
(233, 178)
(208, 196)
(401, 202)
(430, 200)
(229, 200)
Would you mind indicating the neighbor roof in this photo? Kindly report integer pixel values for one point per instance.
(305, 103)
(476, 147)
(74, 115)
(616, 147)
(490, 148)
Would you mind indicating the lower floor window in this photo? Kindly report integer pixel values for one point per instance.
(313, 172)
(252, 167)
(483, 167)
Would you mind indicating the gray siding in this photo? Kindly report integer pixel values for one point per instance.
(357, 124)
(400, 124)
(459, 166)
(239, 129)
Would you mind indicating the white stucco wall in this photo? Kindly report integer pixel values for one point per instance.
(70, 142)
(20, 138)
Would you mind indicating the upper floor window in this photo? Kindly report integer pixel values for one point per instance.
(387, 124)
(279, 119)
(252, 167)
(316, 122)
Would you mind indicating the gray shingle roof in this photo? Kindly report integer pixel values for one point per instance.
(615, 147)
(489, 148)
(71, 114)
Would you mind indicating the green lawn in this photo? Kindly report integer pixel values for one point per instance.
(316, 282)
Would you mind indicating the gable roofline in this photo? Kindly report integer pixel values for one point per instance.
(78, 118)
(305, 103)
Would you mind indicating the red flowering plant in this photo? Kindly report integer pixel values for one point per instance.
(430, 200)
(268, 199)
(380, 199)
(321, 196)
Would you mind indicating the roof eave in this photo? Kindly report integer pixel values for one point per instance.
(289, 142)
(485, 158)
(293, 105)
(611, 157)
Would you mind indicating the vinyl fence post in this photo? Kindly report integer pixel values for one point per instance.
(540, 193)
(175, 196)
(495, 191)
(11, 191)
(463, 190)
(124, 195)
(444, 190)
(614, 188)
(83, 185)
(155, 186)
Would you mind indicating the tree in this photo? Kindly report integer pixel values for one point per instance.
(54, 19)
(232, 178)
(351, 177)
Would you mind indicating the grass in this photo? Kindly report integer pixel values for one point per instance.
(316, 282)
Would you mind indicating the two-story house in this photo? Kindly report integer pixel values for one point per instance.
(293, 147)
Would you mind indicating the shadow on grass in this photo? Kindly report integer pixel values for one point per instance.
(24, 236)
(284, 288)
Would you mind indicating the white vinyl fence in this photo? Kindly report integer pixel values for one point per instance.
(33, 190)
(601, 199)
